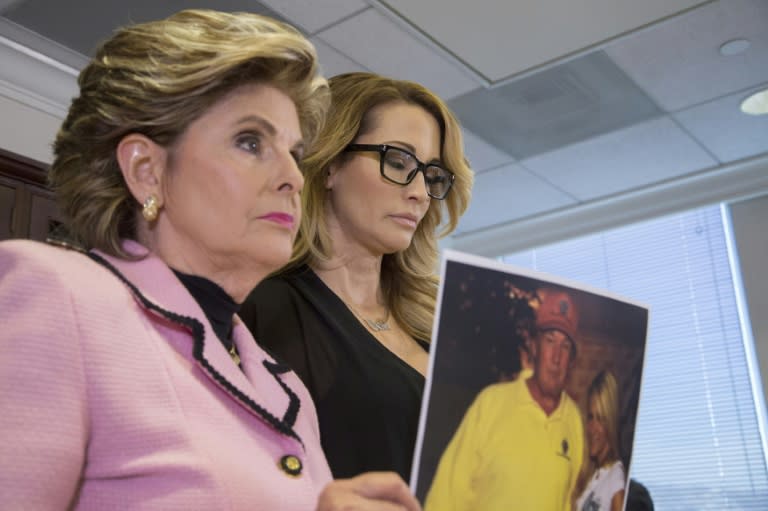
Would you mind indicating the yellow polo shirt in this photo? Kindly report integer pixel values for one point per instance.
(507, 454)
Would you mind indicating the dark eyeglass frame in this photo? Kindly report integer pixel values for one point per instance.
(420, 166)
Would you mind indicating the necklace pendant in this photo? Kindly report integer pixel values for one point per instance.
(234, 354)
(378, 326)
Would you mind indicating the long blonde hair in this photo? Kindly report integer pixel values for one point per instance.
(156, 78)
(604, 391)
(407, 277)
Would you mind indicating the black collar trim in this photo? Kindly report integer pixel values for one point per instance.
(295, 403)
(284, 426)
(275, 367)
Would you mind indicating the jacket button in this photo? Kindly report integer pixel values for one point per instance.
(291, 465)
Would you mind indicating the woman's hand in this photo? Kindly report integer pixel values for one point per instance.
(372, 491)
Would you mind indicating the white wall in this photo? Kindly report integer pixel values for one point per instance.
(735, 181)
(35, 92)
(750, 230)
(27, 131)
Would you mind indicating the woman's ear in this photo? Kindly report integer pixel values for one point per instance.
(142, 163)
(331, 173)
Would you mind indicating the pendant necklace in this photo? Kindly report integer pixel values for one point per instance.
(377, 325)
(234, 354)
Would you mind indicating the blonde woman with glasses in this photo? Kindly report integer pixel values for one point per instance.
(352, 313)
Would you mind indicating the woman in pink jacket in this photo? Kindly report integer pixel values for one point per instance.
(126, 378)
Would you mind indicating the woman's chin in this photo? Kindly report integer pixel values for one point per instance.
(274, 259)
(397, 244)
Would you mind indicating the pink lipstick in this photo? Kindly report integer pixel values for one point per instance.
(283, 219)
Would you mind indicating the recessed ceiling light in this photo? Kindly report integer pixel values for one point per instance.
(756, 104)
(734, 47)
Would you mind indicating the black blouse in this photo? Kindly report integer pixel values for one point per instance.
(219, 308)
(367, 398)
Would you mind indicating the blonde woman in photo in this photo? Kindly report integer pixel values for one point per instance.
(603, 479)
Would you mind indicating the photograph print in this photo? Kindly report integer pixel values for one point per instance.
(532, 392)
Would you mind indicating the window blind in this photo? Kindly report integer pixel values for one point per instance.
(697, 441)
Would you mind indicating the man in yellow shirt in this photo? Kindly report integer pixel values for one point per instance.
(520, 444)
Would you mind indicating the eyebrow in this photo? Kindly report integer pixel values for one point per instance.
(270, 129)
(265, 124)
(412, 149)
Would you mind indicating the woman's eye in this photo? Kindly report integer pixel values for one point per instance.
(399, 162)
(250, 142)
(396, 163)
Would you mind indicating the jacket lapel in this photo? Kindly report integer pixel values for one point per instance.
(254, 364)
(158, 290)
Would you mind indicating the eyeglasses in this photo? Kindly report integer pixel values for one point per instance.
(400, 167)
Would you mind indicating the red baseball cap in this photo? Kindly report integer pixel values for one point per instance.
(557, 312)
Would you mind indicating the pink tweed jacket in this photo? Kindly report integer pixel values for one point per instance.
(115, 394)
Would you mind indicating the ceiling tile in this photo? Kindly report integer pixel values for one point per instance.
(616, 162)
(679, 63)
(501, 39)
(4, 4)
(81, 24)
(562, 105)
(332, 62)
(725, 130)
(482, 155)
(54, 20)
(509, 193)
(376, 42)
(312, 15)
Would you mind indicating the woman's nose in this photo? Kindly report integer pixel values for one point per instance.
(417, 189)
(291, 177)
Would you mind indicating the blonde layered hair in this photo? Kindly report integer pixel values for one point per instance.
(408, 280)
(604, 391)
(155, 79)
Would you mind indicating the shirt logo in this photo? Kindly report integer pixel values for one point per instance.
(592, 503)
(564, 449)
